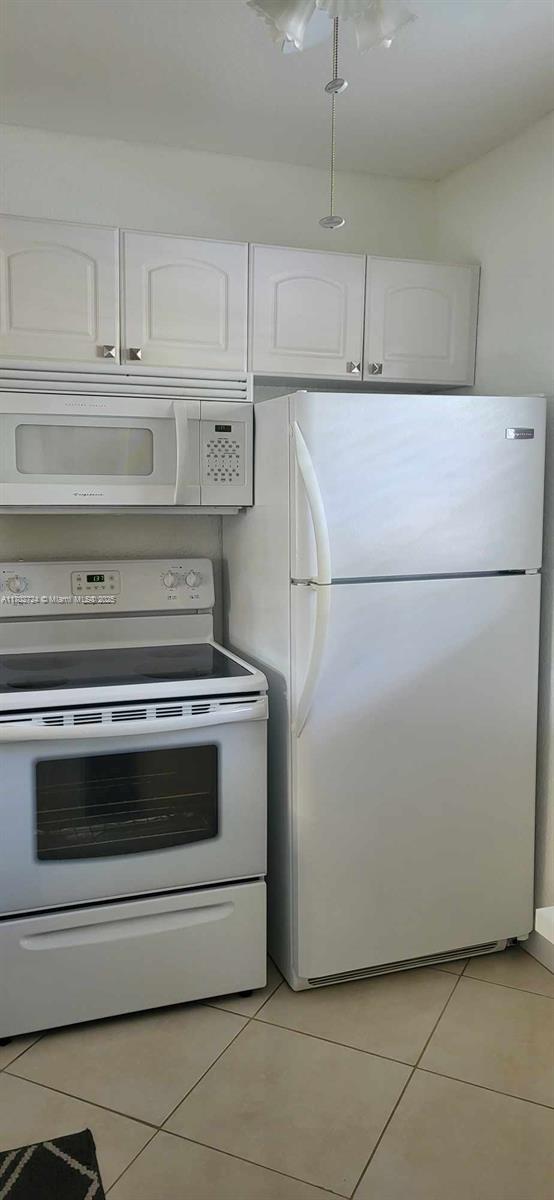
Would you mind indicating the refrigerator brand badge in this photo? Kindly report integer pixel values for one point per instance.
(514, 435)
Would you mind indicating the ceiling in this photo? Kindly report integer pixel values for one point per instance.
(204, 74)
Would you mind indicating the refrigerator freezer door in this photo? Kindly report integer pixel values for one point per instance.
(420, 485)
(414, 774)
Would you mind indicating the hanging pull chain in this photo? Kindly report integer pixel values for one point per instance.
(335, 86)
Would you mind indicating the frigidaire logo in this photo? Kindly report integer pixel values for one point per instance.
(88, 493)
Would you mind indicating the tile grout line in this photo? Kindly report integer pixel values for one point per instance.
(408, 1081)
(247, 1021)
(484, 1088)
(332, 1042)
(22, 1052)
(184, 1137)
(510, 987)
(155, 1133)
(382, 1133)
(116, 1112)
(435, 967)
(347, 1045)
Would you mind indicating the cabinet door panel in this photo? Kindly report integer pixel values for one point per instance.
(307, 312)
(58, 291)
(184, 301)
(420, 321)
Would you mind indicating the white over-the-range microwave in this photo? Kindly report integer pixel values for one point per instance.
(89, 447)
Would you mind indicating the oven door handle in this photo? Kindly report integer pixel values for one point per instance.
(256, 710)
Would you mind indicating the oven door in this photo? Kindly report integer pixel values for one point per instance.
(129, 808)
(95, 450)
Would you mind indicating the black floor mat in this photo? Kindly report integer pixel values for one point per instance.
(64, 1169)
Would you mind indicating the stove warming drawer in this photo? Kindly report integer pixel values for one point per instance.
(85, 963)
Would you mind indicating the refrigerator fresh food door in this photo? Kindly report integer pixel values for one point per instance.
(414, 768)
(416, 485)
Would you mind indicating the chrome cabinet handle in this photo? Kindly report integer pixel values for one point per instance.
(375, 368)
(135, 353)
(107, 351)
(353, 368)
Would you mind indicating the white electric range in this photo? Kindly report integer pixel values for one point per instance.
(132, 794)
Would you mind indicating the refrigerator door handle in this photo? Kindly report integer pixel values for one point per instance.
(323, 607)
(316, 505)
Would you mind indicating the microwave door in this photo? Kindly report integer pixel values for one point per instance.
(143, 454)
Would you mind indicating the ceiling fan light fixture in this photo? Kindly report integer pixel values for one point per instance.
(293, 24)
(299, 24)
(379, 25)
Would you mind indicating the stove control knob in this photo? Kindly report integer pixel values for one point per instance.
(169, 580)
(16, 583)
(192, 579)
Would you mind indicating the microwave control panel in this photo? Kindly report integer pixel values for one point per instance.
(226, 447)
(87, 588)
(222, 452)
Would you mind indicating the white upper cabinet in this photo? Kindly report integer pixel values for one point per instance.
(76, 294)
(306, 313)
(58, 291)
(421, 320)
(184, 302)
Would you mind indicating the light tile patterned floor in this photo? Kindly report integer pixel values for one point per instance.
(421, 1085)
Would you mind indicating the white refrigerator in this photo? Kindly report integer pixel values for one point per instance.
(387, 581)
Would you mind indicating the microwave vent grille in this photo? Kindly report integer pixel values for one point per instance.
(123, 382)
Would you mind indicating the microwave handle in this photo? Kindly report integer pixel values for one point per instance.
(180, 414)
(255, 710)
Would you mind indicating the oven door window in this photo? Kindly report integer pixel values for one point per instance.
(117, 804)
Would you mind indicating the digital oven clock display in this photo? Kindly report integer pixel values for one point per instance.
(96, 578)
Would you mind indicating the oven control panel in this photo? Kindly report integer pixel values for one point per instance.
(95, 583)
(138, 585)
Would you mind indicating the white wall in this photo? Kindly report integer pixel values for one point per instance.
(499, 211)
(178, 191)
(209, 195)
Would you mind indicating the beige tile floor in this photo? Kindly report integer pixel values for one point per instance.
(424, 1085)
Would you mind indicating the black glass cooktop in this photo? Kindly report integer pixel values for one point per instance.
(108, 668)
